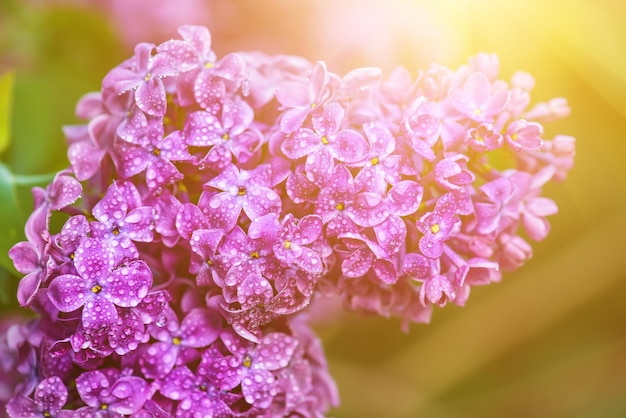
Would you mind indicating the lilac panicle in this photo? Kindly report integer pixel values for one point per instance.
(210, 200)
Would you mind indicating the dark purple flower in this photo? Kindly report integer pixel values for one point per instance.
(205, 263)
(127, 332)
(110, 393)
(50, 396)
(196, 395)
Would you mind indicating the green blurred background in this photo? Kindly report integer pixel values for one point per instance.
(550, 341)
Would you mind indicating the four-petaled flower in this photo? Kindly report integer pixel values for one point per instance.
(326, 142)
(111, 393)
(50, 396)
(100, 285)
(143, 75)
(252, 366)
(242, 189)
(438, 226)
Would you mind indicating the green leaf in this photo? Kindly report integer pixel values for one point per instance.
(11, 219)
(15, 194)
(6, 100)
(8, 289)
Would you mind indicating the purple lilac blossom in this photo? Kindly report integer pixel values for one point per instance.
(210, 201)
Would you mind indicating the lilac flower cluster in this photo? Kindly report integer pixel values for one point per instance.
(209, 200)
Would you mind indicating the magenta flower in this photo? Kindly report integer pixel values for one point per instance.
(75, 230)
(203, 78)
(196, 395)
(325, 143)
(32, 258)
(438, 226)
(500, 204)
(50, 396)
(241, 189)
(143, 75)
(303, 99)
(110, 391)
(228, 137)
(205, 263)
(524, 135)
(437, 290)
(176, 342)
(121, 220)
(367, 255)
(155, 157)
(479, 99)
(343, 209)
(245, 256)
(100, 285)
(483, 138)
(127, 332)
(251, 366)
(382, 167)
(294, 237)
(451, 173)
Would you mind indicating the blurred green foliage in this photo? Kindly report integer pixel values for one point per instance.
(49, 57)
(6, 101)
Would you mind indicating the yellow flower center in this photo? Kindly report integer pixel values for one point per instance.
(96, 288)
(247, 361)
(177, 340)
(148, 77)
(242, 191)
(287, 244)
(225, 137)
(435, 228)
(339, 206)
(254, 255)
(324, 140)
(374, 161)
(209, 65)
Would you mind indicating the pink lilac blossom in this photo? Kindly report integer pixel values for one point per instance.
(210, 201)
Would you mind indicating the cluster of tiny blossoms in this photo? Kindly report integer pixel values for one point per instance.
(209, 200)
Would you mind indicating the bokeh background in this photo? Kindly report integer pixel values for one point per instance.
(550, 341)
